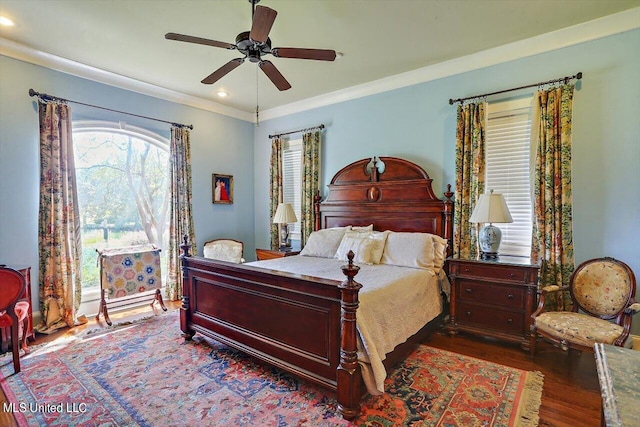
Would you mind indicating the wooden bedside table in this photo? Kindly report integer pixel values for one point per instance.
(493, 298)
(263, 254)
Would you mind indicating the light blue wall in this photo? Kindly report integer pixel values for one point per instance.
(417, 123)
(219, 144)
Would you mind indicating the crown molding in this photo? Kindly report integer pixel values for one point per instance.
(27, 54)
(591, 30)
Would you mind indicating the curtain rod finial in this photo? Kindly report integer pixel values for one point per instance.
(579, 75)
(450, 101)
(32, 92)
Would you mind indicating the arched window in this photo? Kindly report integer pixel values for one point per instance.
(122, 175)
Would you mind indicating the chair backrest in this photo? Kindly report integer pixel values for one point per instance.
(603, 287)
(12, 286)
(224, 250)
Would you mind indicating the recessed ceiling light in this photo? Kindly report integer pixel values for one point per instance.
(222, 94)
(6, 21)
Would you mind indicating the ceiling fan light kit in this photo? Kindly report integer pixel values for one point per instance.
(254, 44)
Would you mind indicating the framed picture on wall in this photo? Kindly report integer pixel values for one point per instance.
(222, 188)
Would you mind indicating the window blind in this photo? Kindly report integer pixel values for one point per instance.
(292, 181)
(508, 148)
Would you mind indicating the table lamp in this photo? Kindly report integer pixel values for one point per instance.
(490, 208)
(285, 216)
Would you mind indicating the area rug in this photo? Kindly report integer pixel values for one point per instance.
(145, 374)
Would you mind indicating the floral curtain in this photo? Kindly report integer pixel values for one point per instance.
(552, 228)
(310, 180)
(59, 239)
(275, 188)
(470, 176)
(180, 216)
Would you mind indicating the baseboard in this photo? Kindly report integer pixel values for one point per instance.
(636, 342)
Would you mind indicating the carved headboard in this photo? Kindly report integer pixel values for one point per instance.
(390, 193)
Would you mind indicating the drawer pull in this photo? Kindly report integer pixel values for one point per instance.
(468, 313)
(466, 270)
(513, 274)
(509, 321)
(510, 296)
(468, 290)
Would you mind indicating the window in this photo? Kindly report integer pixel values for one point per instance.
(292, 182)
(508, 154)
(123, 191)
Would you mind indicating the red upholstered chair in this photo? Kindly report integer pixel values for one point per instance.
(13, 312)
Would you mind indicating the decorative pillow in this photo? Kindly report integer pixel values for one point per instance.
(440, 251)
(367, 246)
(324, 243)
(409, 250)
(360, 228)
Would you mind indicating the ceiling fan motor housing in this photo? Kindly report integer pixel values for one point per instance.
(251, 49)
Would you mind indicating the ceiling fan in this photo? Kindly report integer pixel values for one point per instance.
(253, 45)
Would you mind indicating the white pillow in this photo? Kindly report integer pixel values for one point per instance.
(405, 249)
(360, 228)
(324, 243)
(367, 246)
(440, 251)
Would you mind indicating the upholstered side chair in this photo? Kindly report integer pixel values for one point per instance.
(228, 250)
(602, 291)
(13, 311)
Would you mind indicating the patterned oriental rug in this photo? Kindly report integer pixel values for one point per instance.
(145, 374)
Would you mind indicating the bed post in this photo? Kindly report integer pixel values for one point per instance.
(448, 219)
(185, 314)
(348, 373)
(317, 223)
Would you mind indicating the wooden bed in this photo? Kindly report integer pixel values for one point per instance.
(302, 324)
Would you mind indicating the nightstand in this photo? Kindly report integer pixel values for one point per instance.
(493, 298)
(263, 254)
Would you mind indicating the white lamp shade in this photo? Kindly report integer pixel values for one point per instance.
(284, 214)
(491, 208)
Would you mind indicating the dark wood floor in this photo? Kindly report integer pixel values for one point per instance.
(571, 394)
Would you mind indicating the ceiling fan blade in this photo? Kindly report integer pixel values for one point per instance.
(198, 40)
(262, 23)
(274, 75)
(222, 71)
(294, 52)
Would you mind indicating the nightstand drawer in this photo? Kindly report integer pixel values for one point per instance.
(502, 320)
(506, 296)
(488, 271)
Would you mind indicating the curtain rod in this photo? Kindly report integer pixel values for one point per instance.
(562, 79)
(46, 97)
(320, 127)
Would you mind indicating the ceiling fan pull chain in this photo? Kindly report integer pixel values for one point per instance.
(257, 103)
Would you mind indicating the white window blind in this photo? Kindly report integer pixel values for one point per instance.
(508, 154)
(292, 181)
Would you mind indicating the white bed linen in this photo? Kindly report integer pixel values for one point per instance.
(395, 303)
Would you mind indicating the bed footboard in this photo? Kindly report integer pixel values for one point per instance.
(302, 324)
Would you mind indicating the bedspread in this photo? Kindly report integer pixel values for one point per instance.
(395, 303)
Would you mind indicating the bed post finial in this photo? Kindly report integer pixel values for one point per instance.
(348, 372)
(185, 245)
